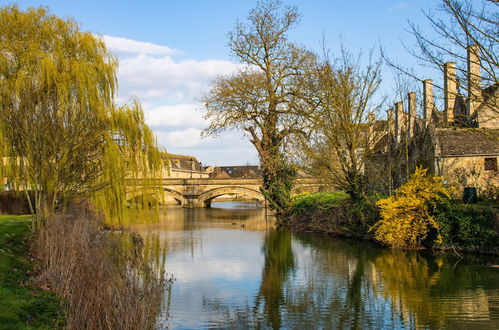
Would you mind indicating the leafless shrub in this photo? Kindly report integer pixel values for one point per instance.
(102, 276)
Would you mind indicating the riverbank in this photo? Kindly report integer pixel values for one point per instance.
(333, 214)
(23, 305)
(464, 228)
(102, 276)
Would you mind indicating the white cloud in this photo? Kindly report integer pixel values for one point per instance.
(117, 44)
(179, 115)
(398, 6)
(148, 77)
(190, 137)
(169, 90)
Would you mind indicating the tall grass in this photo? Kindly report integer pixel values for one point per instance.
(102, 276)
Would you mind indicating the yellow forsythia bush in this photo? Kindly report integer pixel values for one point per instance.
(406, 218)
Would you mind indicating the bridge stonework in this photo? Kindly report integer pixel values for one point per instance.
(200, 192)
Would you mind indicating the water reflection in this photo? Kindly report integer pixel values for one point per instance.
(279, 261)
(233, 270)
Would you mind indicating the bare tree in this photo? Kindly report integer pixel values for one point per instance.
(268, 97)
(462, 29)
(343, 130)
(464, 23)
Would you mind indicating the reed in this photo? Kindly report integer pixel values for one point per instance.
(101, 275)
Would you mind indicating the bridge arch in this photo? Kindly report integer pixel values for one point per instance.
(206, 197)
(176, 195)
(142, 197)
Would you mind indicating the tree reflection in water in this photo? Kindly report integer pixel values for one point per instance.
(312, 281)
(279, 261)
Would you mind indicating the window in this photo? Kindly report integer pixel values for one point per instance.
(491, 164)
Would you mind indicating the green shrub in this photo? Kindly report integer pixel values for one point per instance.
(467, 227)
(333, 213)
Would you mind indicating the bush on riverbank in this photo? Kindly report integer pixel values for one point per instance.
(422, 216)
(102, 276)
(332, 213)
(23, 306)
(407, 220)
(467, 227)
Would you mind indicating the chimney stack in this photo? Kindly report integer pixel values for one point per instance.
(411, 112)
(399, 115)
(474, 81)
(371, 119)
(391, 123)
(450, 91)
(428, 101)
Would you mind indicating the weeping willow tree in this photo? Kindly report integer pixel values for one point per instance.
(131, 163)
(61, 136)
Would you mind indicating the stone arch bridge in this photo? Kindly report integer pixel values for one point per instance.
(200, 192)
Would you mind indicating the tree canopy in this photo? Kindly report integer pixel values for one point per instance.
(340, 131)
(267, 97)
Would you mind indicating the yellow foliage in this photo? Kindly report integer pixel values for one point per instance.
(406, 217)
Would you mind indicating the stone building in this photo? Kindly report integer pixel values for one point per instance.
(460, 142)
(182, 167)
(236, 172)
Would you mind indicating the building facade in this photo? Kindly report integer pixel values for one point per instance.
(183, 167)
(459, 142)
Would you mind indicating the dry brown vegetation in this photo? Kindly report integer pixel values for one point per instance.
(102, 276)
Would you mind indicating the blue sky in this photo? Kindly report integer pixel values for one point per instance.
(169, 51)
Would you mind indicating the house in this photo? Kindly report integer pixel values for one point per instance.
(236, 172)
(182, 167)
(460, 142)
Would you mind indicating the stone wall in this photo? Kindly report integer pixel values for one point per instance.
(467, 171)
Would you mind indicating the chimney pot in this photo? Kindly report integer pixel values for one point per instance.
(428, 101)
(474, 81)
(391, 124)
(411, 112)
(399, 117)
(450, 91)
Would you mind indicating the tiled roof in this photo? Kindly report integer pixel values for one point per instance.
(247, 172)
(467, 141)
(183, 162)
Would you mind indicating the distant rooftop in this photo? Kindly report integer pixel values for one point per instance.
(467, 141)
(182, 162)
(246, 172)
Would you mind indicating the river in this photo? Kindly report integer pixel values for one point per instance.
(232, 269)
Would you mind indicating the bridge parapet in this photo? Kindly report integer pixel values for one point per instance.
(198, 192)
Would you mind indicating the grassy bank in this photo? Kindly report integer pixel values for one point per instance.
(103, 277)
(22, 306)
(332, 213)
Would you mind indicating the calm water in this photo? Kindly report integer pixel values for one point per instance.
(233, 270)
